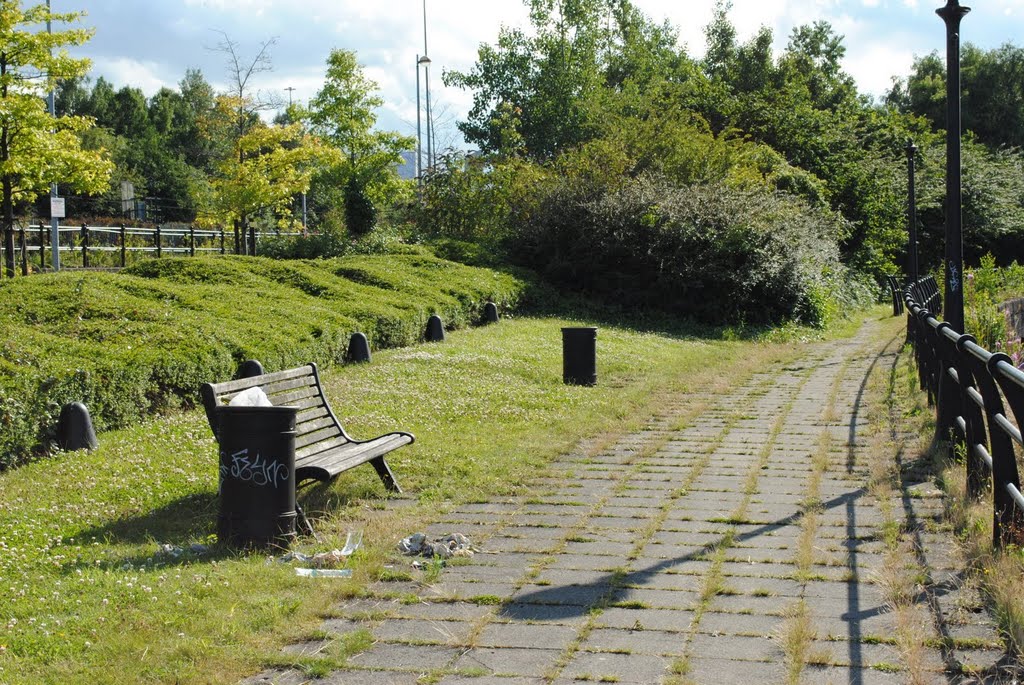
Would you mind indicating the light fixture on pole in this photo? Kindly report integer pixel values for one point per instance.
(424, 61)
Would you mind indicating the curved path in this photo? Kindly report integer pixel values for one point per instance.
(773, 539)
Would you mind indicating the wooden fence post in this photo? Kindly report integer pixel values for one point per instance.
(85, 245)
(191, 241)
(159, 247)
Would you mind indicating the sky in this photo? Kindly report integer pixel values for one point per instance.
(150, 43)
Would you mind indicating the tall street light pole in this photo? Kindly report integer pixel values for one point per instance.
(953, 307)
(426, 75)
(912, 266)
(54, 221)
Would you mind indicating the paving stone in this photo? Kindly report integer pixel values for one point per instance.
(489, 680)
(621, 668)
(573, 595)
(860, 676)
(712, 671)
(351, 677)
(588, 562)
(543, 613)
(740, 647)
(526, 635)
(399, 657)
(421, 631)
(750, 604)
(512, 661)
(657, 599)
(668, 620)
(740, 624)
(662, 581)
(635, 641)
(444, 611)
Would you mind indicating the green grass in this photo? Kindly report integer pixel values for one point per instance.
(88, 597)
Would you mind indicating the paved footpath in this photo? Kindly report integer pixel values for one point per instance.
(746, 544)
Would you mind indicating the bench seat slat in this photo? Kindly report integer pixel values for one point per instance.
(245, 383)
(307, 403)
(353, 454)
(304, 428)
(311, 414)
(287, 399)
(313, 436)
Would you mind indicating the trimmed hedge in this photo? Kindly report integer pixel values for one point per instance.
(145, 339)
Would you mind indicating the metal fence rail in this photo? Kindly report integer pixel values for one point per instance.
(970, 388)
(123, 240)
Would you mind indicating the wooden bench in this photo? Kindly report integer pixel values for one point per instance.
(322, 447)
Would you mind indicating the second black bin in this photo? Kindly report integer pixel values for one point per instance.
(257, 475)
(579, 355)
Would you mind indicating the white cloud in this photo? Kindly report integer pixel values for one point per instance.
(123, 71)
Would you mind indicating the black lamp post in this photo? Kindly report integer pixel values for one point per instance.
(912, 266)
(953, 307)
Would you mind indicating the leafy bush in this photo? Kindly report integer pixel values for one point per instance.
(712, 252)
(144, 340)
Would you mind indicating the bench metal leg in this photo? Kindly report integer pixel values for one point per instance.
(305, 527)
(385, 474)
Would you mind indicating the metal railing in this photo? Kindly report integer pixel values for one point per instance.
(113, 244)
(970, 388)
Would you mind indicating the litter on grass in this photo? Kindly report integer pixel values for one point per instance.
(454, 545)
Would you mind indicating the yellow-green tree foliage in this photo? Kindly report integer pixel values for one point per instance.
(37, 149)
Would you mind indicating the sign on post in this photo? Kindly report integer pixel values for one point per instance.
(57, 208)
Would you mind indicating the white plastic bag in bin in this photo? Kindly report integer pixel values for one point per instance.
(253, 397)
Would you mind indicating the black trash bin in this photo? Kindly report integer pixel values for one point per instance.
(579, 355)
(257, 475)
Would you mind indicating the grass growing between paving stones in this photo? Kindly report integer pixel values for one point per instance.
(91, 597)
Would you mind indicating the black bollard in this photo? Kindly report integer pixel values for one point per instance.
(358, 348)
(490, 313)
(249, 369)
(435, 329)
(579, 355)
(74, 429)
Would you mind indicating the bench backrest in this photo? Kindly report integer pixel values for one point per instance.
(300, 388)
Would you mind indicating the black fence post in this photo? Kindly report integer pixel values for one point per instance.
(85, 245)
(222, 240)
(24, 251)
(191, 241)
(252, 241)
(124, 247)
(159, 245)
(42, 245)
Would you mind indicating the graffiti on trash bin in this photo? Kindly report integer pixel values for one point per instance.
(258, 471)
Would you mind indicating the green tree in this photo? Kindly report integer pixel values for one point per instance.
(37, 149)
(276, 164)
(344, 114)
(547, 78)
(992, 93)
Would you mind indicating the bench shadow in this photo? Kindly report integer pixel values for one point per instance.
(192, 520)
